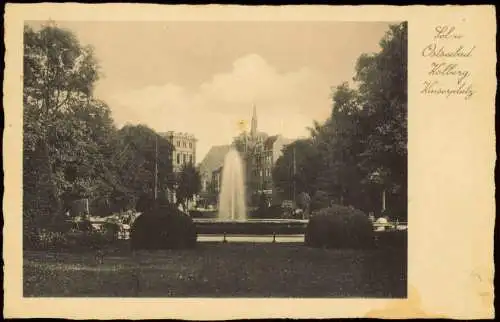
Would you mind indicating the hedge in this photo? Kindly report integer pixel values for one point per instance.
(272, 212)
(392, 239)
(65, 241)
(163, 228)
(339, 227)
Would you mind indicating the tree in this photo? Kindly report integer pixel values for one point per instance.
(340, 145)
(263, 202)
(361, 149)
(59, 75)
(189, 184)
(138, 150)
(72, 149)
(301, 156)
(320, 200)
(383, 88)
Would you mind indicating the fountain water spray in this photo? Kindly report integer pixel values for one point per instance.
(232, 198)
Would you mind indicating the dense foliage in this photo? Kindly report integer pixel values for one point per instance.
(360, 152)
(392, 239)
(320, 200)
(163, 228)
(339, 227)
(265, 212)
(72, 240)
(72, 149)
(189, 184)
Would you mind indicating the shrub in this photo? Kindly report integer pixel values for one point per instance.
(263, 203)
(196, 214)
(392, 239)
(81, 225)
(274, 211)
(202, 214)
(145, 203)
(339, 227)
(304, 201)
(86, 240)
(163, 228)
(30, 239)
(45, 240)
(62, 226)
(110, 230)
(319, 201)
(395, 214)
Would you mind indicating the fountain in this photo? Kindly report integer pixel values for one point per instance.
(232, 198)
(232, 218)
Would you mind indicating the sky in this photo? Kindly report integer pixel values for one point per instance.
(204, 77)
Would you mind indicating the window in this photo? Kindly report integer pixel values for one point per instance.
(178, 159)
(183, 144)
(190, 145)
(178, 143)
(185, 158)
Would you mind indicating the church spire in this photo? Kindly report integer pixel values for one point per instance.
(253, 131)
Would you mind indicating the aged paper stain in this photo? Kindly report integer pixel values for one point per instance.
(484, 287)
(408, 308)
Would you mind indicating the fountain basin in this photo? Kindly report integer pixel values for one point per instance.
(250, 226)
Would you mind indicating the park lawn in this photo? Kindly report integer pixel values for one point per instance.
(219, 270)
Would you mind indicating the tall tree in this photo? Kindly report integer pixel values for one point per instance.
(360, 150)
(340, 147)
(298, 166)
(383, 88)
(138, 151)
(59, 75)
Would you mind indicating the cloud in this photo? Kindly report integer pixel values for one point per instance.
(287, 102)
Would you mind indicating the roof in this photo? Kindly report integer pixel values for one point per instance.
(269, 142)
(170, 135)
(214, 159)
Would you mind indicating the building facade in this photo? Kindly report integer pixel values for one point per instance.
(183, 153)
(216, 180)
(184, 149)
(260, 153)
(212, 161)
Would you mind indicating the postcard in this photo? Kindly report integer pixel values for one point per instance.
(238, 162)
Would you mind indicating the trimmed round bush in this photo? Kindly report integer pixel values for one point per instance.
(145, 203)
(339, 227)
(163, 228)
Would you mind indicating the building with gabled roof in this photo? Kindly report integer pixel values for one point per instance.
(213, 160)
(260, 152)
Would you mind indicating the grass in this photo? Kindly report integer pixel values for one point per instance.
(219, 270)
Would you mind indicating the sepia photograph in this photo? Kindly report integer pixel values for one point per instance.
(222, 162)
(215, 159)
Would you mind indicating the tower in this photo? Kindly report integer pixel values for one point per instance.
(253, 130)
